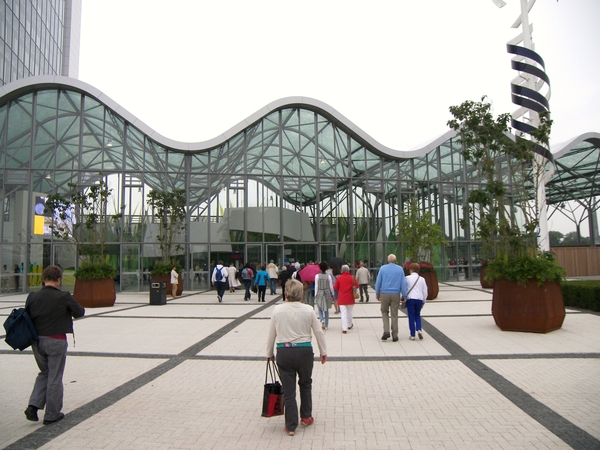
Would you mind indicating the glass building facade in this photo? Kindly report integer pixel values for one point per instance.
(297, 182)
(39, 37)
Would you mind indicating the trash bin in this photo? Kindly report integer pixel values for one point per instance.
(158, 293)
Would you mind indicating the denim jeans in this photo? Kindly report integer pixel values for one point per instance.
(247, 284)
(273, 285)
(324, 316)
(413, 308)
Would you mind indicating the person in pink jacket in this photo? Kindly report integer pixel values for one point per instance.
(345, 285)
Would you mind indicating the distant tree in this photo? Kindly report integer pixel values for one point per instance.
(169, 213)
(556, 238)
(570, 239)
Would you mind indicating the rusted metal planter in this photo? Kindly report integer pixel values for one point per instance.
(433, 288)
(484, 283)
(530, 308)
(95, 293)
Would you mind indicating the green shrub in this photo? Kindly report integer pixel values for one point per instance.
(524, 268)
(89, 271)
(582, 294)
(162, 268)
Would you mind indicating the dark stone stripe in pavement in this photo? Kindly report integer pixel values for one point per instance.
(570, 433)
(41, 436)
(542, 356)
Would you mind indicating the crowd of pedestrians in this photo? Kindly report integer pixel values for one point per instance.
(326, 285)
(295, 322)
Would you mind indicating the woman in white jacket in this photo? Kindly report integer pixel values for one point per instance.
(416, 288)
(232, 277)
(291, 329)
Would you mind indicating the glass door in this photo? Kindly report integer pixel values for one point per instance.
(254, 253)
(130, 277)
(200, 268)
(275, 253)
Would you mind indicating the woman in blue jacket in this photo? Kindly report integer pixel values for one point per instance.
(260, 281)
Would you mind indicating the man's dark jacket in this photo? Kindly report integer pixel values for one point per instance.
(52, 311)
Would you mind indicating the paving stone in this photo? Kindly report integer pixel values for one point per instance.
(189, 375)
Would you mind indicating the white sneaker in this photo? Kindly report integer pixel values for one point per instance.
(420, 334)
(412, 338)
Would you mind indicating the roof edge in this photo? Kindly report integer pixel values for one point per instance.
(561, 149)
(50, 81)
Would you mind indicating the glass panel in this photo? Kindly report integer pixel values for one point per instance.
(199, 262)
(130, 275)
(134, 158)
(44, 144)
(11, 275)
(35, 265)
(254, 253)
(18, 139)
(303, 253)
(275, 253)
(328, 251)
(113, 142)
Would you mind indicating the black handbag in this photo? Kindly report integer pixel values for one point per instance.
(273, 392)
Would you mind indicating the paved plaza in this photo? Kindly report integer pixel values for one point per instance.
(189, 375)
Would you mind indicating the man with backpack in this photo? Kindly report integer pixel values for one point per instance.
(247, 277)
(52, 312)
(219, 280)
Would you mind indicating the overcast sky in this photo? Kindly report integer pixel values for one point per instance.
(192, 69)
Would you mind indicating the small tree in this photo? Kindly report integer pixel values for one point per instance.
(89, 232)
(169, 212)
(419, 232)
(511, 171)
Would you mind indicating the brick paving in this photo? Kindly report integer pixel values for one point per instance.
(189, 375)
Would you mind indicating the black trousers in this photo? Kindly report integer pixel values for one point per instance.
(364, 290)
(262, 290)
(292, 361)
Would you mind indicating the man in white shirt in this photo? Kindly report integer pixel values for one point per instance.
(219, 280)
(273, 272)
(363, 277)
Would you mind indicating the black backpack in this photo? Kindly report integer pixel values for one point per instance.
(20, 332)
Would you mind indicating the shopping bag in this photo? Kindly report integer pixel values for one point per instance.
(273, 392)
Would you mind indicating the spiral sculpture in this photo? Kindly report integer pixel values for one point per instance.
(530, 89)
(526, 93)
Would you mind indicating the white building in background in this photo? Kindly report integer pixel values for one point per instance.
(39, 37)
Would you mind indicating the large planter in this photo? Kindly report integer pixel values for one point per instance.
(433, 288)
(484, 283)
(167, 279)
(95, 293)
(531, 308)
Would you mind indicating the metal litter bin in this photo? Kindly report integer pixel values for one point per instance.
(158, 293)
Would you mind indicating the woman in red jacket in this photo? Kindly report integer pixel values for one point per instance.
(345, 285)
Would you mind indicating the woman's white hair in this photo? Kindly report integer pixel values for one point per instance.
(345, 268)
(294, 291)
